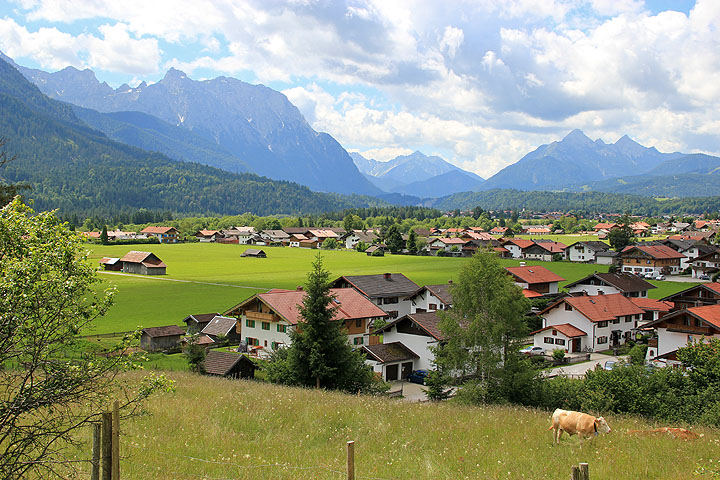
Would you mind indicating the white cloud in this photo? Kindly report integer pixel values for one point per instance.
(610, 8)
(451, 40)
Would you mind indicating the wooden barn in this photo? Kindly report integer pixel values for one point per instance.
(254, 252)
(161, 338)
(143, 263)
(112, 264)
(227, 364)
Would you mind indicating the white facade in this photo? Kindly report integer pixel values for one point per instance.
(554, 339)
(515, 251)
(598, 333)
(427, 302)
(269, 334)
(395, 306)
(580, 253)
(419, 344)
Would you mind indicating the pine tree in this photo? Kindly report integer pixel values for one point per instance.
(104, 236)
(412, 242)
(319, 354)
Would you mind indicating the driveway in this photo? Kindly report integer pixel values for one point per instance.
(411, 392)
(577, 370)
(684, 279)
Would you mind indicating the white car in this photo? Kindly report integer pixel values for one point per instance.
(531, 350)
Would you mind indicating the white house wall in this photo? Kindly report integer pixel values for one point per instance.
(419, 344)
(594, 289)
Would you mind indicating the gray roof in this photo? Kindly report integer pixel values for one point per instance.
(220, 363)
(219, 326)
(166, 331)
(441, 291)
(594, 245)
(389, 352)
(201, 317)
(625, 282)
(607, 253)
(381, 285)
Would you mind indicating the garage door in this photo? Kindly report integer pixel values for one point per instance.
(391, 373)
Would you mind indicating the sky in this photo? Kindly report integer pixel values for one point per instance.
(479, 83)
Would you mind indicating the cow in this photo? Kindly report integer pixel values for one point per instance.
(578, 423)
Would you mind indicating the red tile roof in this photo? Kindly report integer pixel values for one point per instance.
(709, 313)
(349, 302)
(534, 274)
(146, 258)
(520, 242)
(452, 241)
(655, 251)
(605, 226)
(157, 229)
(650, 304)
(553, 247)
(531, 294)
(566, 329)
(604, 307)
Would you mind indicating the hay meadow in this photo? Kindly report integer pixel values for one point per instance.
(209, 277)
(212, 428)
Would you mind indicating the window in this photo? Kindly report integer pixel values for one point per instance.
(393, 313)
(282, 328)
(549, 340)
(628, 318)
(432, 306)
(568, 307)
(602, 340)
(266, 325)
(358, 323)
(559, 341)
(554, 332)
(358, 340)
(379, 301)
(603, 324)
(389, 300)
(252, 341)
(615, 321)
(250, 323)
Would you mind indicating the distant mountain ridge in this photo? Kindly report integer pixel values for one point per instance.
(254, 123)
(417, 174)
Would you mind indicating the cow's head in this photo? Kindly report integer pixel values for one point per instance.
(601, 426)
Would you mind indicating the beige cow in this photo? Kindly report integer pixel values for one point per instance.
(578, 423)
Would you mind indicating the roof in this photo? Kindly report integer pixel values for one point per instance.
(650, 304)
(219, 326)
(276, 233)
(531, 294)
(441, 291)
(381, 285)
(538, 230)
(625, 282)
(655, 251)
(452, 241)
(221, 363)
(566, 329)
(148, 259)
(253, 252)
(605, 226)
(389, 352)
(201, 317)
(323, 233)
(534, 274)
(157, 229)
(594, 245)
(598, 308)
(167, 331)
(708, 313)
(712, 286)
(520, 242)
(109, 260)
(426, 321)
(349, 303)
(207, 233)
(550, 247)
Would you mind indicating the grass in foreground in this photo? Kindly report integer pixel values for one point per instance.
(228, 429)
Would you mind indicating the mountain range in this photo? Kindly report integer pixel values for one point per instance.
(80, 171)
(417, 174)
(252, 127)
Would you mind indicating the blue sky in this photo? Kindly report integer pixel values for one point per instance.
(478, 82)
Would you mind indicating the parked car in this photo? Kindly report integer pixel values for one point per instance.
(418, 376)
(660, 277)
(610, 364)
(533, 350)
(704, 276)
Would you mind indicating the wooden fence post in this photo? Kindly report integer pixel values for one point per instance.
(95, 474)
(106, 445)
(351, 460)
(584, 471)
(575, 473)
(116, 441)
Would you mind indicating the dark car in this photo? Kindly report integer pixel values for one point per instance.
(418, 376)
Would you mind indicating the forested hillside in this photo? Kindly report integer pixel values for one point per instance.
(80, 171)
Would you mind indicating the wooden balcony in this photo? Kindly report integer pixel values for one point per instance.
(693, 330)
(261, 317)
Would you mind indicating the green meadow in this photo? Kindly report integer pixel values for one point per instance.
(212, 428)
(209, 277)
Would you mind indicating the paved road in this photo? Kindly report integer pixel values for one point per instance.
(579, 369)
(683, 278)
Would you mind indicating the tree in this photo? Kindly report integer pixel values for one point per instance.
(412, 242)
(484, 326)
(319, 354)
(393, 239)
(195, 354)
(104, 236)
(622, 236)
(48, 295)
(330, 244)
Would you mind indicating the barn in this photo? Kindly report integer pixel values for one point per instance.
(143, 263)
(254, 252)
(227, 364)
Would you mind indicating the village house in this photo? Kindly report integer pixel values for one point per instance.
(628, 284)
(705, 265)
(208, 236)
(163, 234)
(228, 364)
(447, 245)
(585, 251)
(608, 257)
(265, 319)
(390, 361)
(320, 235)
(605, 321)
(389, 291)
(222, 328)
(538, 231)
(650, 259)
(544, 250)
(535, 280)
(682, 328)
(154, 339)
(517, 246)
(499, 231)
(653, 309)
(275, 237)
(605, 227)
(240, 235)
(377, 250)
(143, 263)
(418, 332)
(351, 239)
(111, 264)
(196, 322)
(431, 298)
(695, 296)
(254, 253)
(114, 235)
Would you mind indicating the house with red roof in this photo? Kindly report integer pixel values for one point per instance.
(606, 227)
(517, 246)
(598, 322)
(447, 244)
(536, 279)
(650, 259)
(265, 319)
(208, 236)
(680, 329)
(418, 333)
(544, 251)
(695, 296)
(653, 309)
(499, 231)
(163, 234)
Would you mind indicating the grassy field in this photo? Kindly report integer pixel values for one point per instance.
(226, 429)
(210, 277)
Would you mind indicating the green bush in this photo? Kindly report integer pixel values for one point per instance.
(637, 354)
(558, 355)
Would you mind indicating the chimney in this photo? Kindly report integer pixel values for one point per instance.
(299, 288)
(387, 276)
